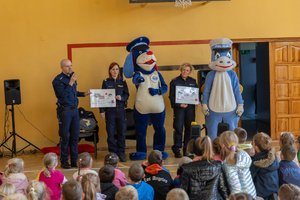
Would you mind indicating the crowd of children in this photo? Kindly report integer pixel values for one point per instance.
(225, 168)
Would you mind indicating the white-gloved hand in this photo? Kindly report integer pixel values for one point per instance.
(205, 109)
(240, 110)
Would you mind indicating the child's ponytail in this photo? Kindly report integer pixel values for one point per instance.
(89, 183)
(36, 190)
(230, 141)
(50, 161)
(79, 163)
(14, 165)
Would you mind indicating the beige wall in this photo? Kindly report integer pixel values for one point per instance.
(35, 33)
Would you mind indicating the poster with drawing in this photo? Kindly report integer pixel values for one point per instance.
(188, 95)
(103, 98)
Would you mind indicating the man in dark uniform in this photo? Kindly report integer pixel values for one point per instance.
(184, 113)
(64, 86)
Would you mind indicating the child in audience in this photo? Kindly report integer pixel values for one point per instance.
(286, 138)
(13, 173)
(51, 177)
(16, 196)
(264, 168)
(189, 149)
(241, 196)
(84, 164)
(72, 190)
(289, 192)
(298, 149)
(242, 135)
(157, 177)
(7, 189)
(177, 194)
(236, 165)
(217, 150)
(288, 171)
(36, 190)
(106, 175)
(91, 186)
(136, 175)
(127, 193)
(113, 160)
(204, 169)
(182, 161)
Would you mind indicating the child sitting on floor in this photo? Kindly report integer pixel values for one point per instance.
(157, 177)
(288, 171)
(242, 135)
(7, 189)
(107, 175)
(289, 192)
(72, 190)
(144, 190)
(36, 190)
(84, 164)
(113, 160)
(264, 168)
(13, 173)
(217, 150)
(51, 177)
(177, 194)
(182, 161)
(127, 193)
(286, 138)
(91, 186)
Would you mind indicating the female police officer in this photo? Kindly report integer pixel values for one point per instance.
(184, 113)
(115, 116)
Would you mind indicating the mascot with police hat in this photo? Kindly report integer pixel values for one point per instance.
(222, 100)
(140, 65)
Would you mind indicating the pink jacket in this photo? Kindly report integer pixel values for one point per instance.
(20, 184)
(120, 179)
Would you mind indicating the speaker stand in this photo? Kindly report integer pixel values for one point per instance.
(14, 134)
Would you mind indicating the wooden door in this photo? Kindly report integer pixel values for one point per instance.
(284, 87)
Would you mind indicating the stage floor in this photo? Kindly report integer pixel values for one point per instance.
(34, 163)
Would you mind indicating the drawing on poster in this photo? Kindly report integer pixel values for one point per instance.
(188, 95)
(103, 98)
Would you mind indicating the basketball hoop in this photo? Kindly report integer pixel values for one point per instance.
(183, 3)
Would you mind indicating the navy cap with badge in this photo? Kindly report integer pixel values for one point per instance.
(135, 47)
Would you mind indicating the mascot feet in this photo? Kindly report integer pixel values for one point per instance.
(165, 155)
(138, 156)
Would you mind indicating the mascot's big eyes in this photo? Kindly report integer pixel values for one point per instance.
(217, 56)
(228, 55)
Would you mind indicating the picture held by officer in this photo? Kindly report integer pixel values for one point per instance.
(65, 88)
(115, 116)
(184, 113)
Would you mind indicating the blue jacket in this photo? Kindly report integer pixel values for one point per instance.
(179, 81)
(65, 93)
(264, 173)
(288, 172)
(145, 191)
(121, 89)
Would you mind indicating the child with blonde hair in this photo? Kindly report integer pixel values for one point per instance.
(127, 193)
(36, 190)
(183, 160)
(113, 160)
(286, 138)
(204, 169)
(7, 189)
(13, 173)
(84, 164)
(236, 165)
(16, 196)
(51, 177)
(289, 192)
(264, 168)
(91, 186)
(177, 194)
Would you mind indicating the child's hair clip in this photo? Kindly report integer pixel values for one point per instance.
(109, 157)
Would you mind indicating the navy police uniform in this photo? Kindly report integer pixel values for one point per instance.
(68, 116)
(182, 116)
(115, 116)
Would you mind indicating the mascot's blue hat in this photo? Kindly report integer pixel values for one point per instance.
(222, 46)
(135, 47)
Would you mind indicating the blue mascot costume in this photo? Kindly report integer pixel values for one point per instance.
(222, 100)
(140, 64)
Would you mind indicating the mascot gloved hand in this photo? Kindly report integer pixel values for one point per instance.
(222, 100)
(140, 65)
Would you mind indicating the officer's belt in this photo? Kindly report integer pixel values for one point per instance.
(69, 108)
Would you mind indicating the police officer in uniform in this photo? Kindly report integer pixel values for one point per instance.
(65, 90)
(184, 114)
(115, 116)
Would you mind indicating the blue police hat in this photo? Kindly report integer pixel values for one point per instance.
(139, 44)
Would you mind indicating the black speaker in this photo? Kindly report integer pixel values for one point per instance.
(195, 131)
(222, 127)
(12, 92)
